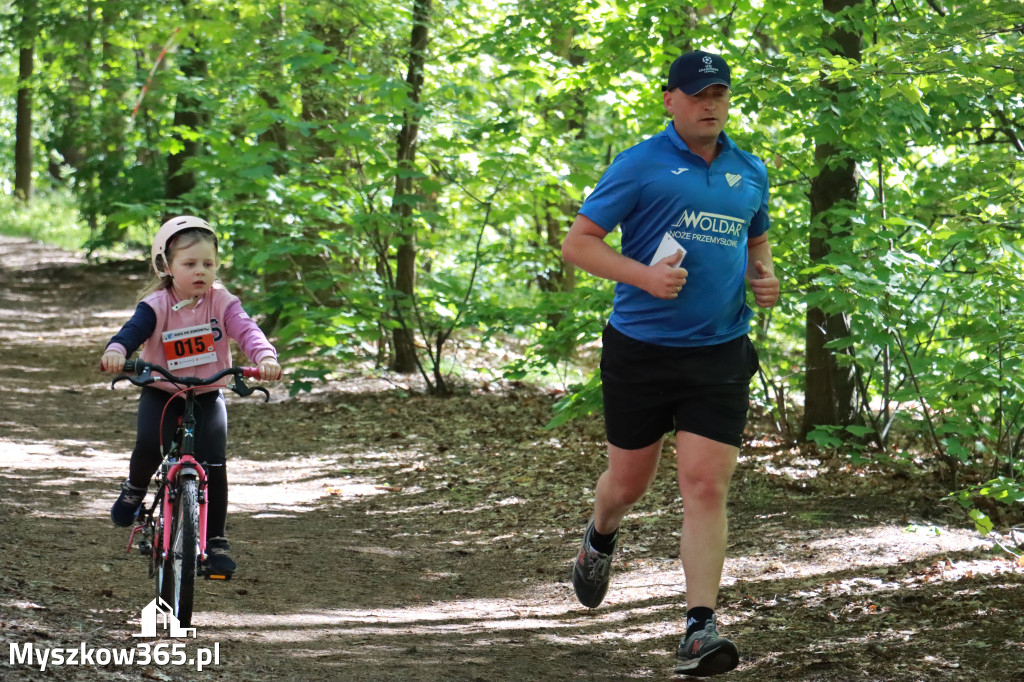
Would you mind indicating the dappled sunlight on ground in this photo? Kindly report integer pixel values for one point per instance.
(386, 535)
(78, 460)
(65, 338)
(540, 615)
(292, 484)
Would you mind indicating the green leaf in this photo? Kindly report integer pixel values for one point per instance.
(981, 521)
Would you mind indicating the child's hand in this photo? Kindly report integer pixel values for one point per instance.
(270, 370)
(112, 362)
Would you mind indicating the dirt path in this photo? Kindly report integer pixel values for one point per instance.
(387, 537)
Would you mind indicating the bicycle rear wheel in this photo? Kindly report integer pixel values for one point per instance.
(178, 573)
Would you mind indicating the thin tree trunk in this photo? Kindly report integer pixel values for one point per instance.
(23, 125)
(188, 113)
(559, 212)
(276, 137)
(111, 119)
(830, 395)
(404, 359)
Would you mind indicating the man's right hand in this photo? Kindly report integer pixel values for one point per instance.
(666, 278)
(584, 247)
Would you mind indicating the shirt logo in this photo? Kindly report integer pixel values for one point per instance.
(733, 179)
(679, 171)
(711, 222)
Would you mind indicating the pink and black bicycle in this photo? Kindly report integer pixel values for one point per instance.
(173, 527)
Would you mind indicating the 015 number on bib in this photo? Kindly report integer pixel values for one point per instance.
(189, 347)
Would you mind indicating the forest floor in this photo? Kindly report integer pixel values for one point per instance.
(385, 535)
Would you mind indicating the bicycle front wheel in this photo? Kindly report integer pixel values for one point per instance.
(178, 574)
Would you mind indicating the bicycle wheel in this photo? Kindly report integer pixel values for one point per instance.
(178, 574)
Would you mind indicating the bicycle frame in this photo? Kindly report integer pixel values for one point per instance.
(175, 573)
(190, 467)
(185, 465)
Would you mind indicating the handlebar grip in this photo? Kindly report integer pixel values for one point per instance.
(251, 372)
(133, 366)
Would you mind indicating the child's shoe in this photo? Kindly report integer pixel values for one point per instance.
(218, 558)
(128, 505)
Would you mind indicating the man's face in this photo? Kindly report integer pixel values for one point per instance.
(699, 118)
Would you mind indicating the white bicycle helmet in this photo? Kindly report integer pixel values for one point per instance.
(167, 231)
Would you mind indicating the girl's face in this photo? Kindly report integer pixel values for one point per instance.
(193, 269)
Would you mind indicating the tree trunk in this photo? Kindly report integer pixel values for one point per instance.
(558, 214)
(830, 395)
(23, 125)
(403, 337)
(111, 146)
(188, 113)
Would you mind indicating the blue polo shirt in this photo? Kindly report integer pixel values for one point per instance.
(659, 186)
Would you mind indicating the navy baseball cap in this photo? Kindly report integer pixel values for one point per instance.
(695, 71)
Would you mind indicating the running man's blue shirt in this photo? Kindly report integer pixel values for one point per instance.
(659, 186)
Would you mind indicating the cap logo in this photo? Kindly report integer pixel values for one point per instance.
(696, 70)
(707, 66)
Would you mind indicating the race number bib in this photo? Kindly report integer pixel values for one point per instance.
(189, 347)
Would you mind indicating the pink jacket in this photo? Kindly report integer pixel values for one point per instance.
(223, 311)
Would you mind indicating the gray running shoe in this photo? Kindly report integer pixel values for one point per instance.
(704, 653)
(592, 570)
(128, 504)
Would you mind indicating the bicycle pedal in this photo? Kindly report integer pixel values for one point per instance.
(214, 576)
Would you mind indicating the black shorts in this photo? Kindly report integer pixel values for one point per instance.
(650, 390)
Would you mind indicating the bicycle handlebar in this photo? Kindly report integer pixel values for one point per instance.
(143, 376)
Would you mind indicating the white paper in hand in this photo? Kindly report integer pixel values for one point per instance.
(668, 247)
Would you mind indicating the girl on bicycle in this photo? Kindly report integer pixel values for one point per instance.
(185, 298)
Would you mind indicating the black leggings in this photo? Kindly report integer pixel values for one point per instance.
(210, 446)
